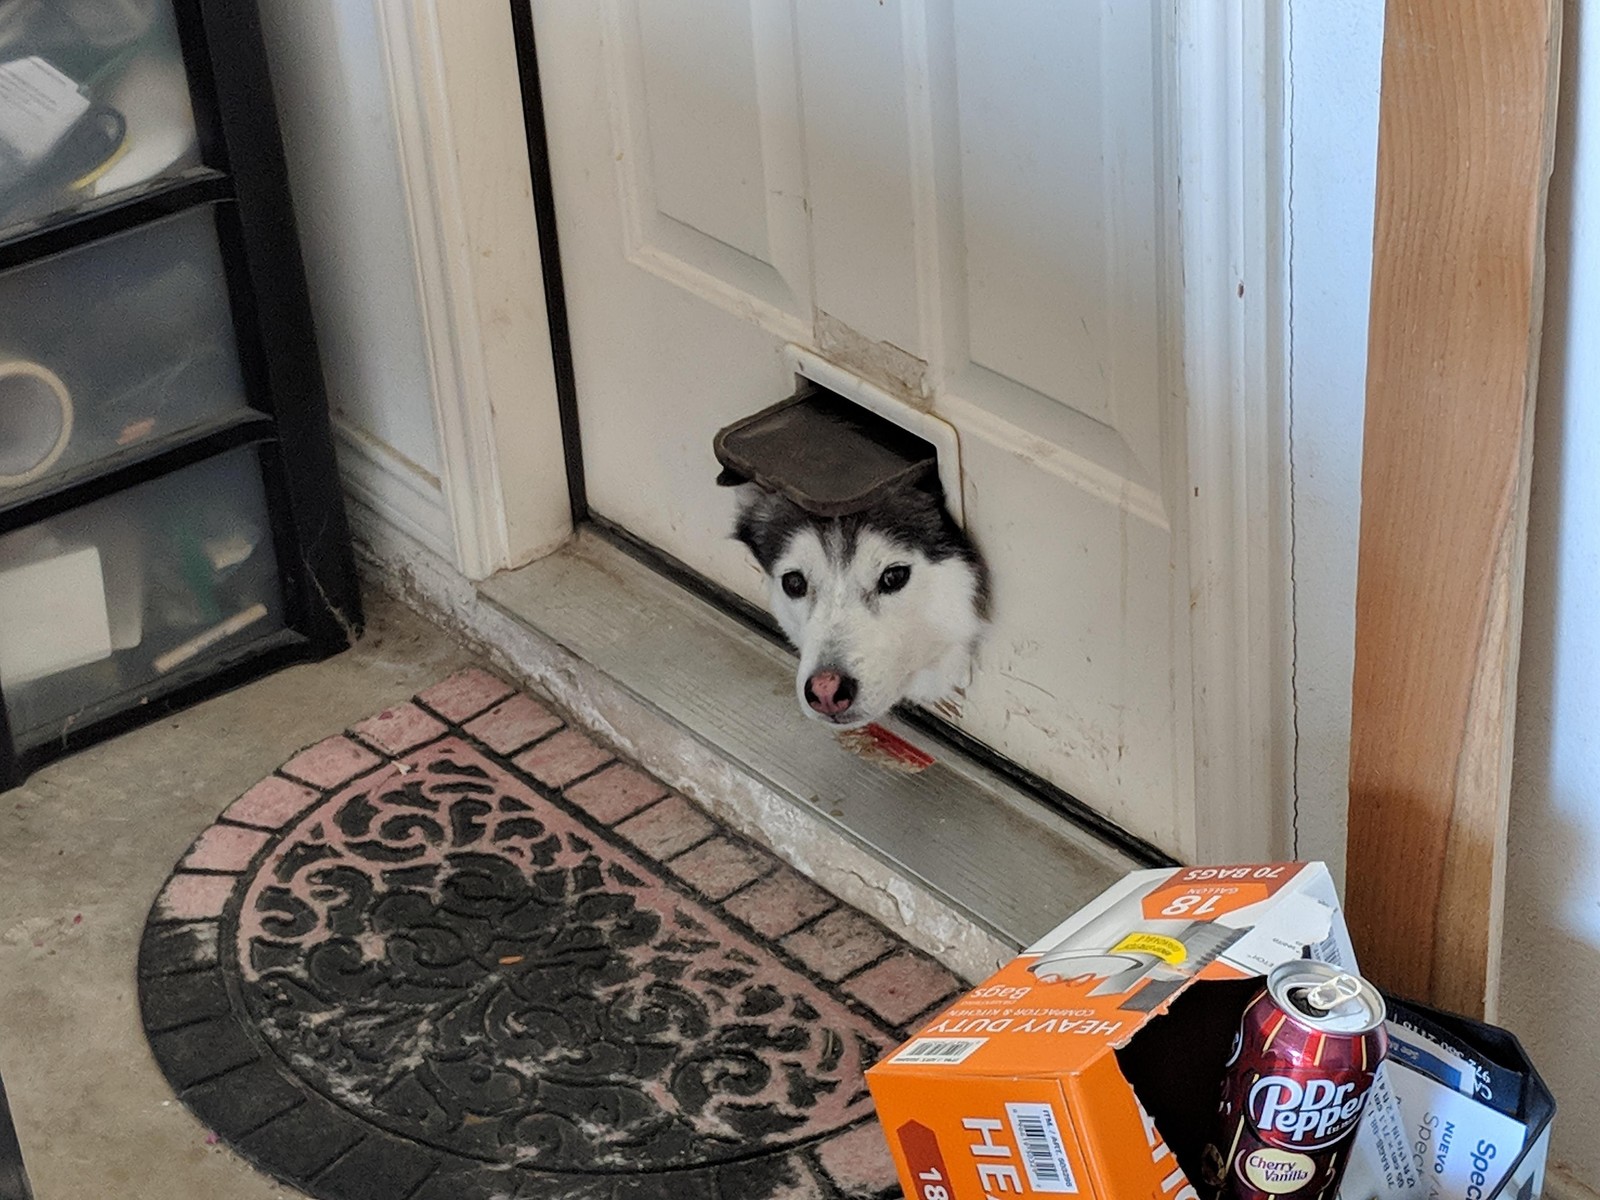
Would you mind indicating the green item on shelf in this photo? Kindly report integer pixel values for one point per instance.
(198, 573)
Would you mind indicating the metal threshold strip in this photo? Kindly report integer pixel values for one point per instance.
(955, 844)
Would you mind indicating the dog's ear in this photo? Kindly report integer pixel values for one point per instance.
(930, 483)
(752, 507)
(765, 522)
(730, 478)
(923, 492)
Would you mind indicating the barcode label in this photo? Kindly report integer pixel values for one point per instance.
(939, 1052)
(1327, 951)
(1039, 1138)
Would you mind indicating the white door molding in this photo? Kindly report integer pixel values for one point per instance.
(463, 154)
(1227, 116)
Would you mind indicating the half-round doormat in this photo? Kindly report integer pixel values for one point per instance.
(462, 953)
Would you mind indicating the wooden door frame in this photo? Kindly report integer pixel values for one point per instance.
(500, 429)
(1465, 151)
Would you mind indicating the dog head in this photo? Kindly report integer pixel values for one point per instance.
(883, 605)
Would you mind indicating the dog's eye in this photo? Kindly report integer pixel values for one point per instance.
(894, 578)
(794, 584)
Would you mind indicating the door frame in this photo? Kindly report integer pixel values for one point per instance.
(507, 432)
(1229, 113)
(454, 83)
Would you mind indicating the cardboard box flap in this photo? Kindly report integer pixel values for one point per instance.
(998, 1031)
(1092, 983)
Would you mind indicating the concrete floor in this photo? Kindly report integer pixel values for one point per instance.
(84, 846)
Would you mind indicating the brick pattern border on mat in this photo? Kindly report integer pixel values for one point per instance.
(223, 1069)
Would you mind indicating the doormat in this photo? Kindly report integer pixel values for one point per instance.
(464, 953)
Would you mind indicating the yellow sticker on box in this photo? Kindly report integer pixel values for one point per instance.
(1169, 950)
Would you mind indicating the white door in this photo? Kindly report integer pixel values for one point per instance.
(963, 203)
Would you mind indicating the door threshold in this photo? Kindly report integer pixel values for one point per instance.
(955, 857)
(943, 733)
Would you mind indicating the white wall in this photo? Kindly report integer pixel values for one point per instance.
(1552, 960)
(1335, 50)
(340, 135)
(1552, 957)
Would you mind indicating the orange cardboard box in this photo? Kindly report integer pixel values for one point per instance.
(1053, 1077)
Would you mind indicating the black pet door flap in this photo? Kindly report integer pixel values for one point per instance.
(830, 456)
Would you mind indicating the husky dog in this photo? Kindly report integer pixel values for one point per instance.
(883, 605)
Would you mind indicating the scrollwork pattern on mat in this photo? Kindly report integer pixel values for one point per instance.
(451, 955)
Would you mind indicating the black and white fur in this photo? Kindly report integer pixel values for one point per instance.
(884, 605)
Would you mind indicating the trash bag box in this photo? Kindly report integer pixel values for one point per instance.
(1091, 1064)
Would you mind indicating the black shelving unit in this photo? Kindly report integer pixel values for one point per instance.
(183, 532)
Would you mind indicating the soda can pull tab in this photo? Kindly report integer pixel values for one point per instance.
(1339, 990)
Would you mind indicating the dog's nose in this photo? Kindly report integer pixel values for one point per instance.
(830, 693)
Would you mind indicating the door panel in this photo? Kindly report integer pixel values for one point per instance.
(707, 143)
(1035, 301)
(1055, 220)
(958, 202)
(702, 123)
(860, 179)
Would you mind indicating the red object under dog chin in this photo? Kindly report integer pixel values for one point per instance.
(876, 744)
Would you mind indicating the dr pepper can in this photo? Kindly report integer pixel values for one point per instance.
(1303, 1064)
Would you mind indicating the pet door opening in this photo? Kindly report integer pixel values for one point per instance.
(828, 454)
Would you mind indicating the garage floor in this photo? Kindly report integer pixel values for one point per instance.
(84, 846)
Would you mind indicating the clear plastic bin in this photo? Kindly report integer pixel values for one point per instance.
(112, 344)
(94, 102)
(125, 595)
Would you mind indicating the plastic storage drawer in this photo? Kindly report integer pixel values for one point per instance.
(113, 602)
(111, 345)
